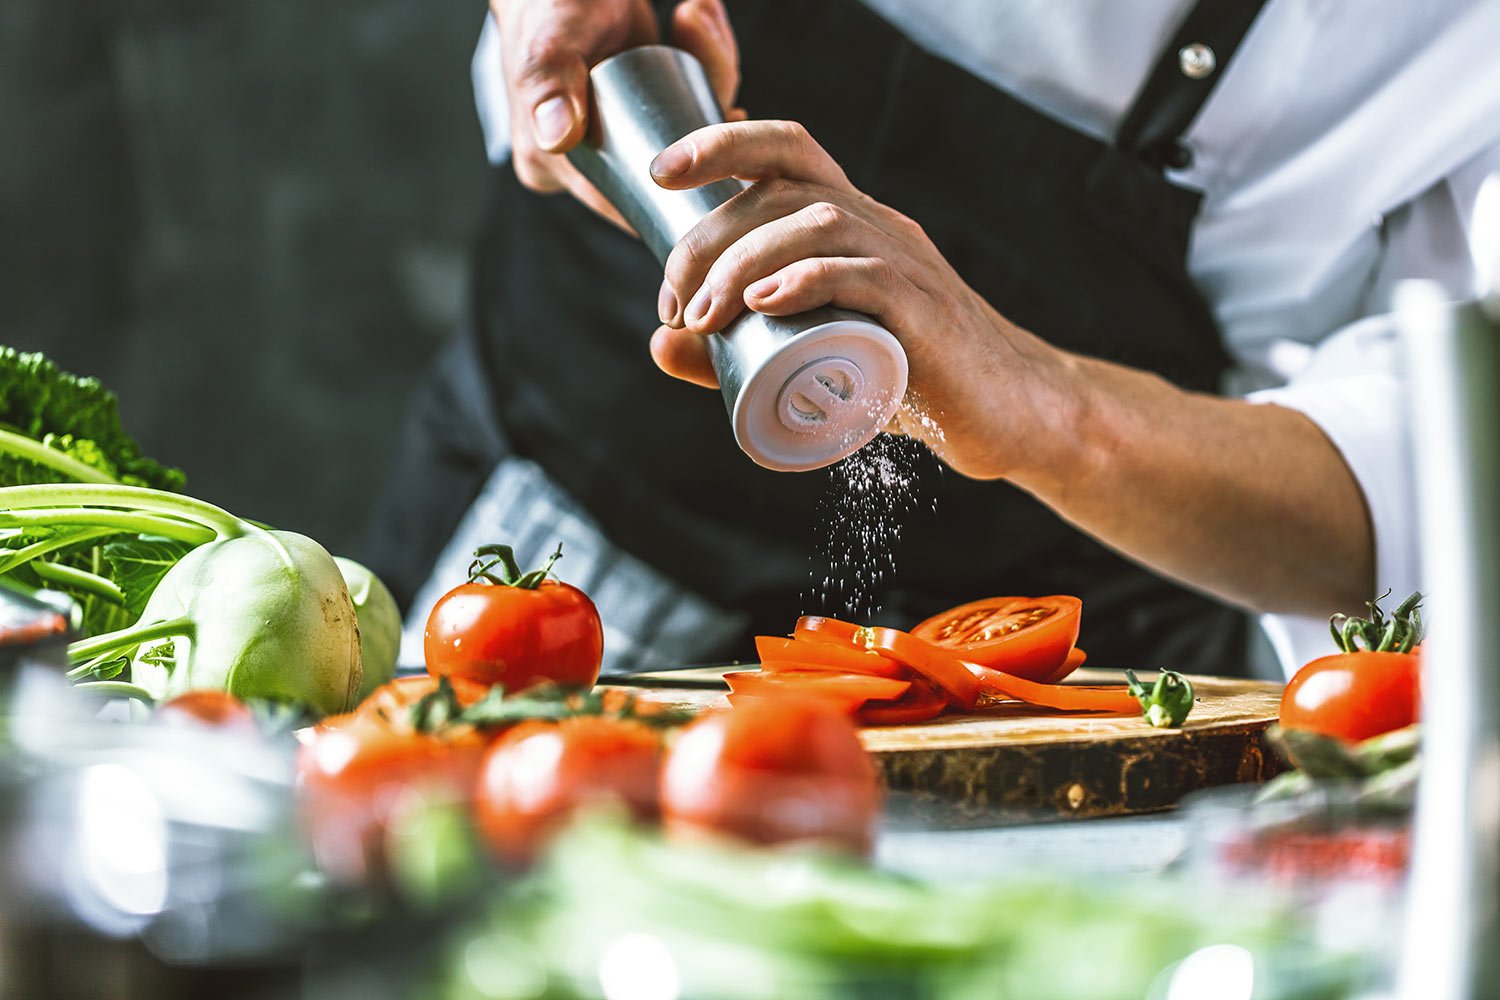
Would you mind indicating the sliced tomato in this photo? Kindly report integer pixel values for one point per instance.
(1026, 637)
(1064, 697)
(937, 666)
(832, 632)
(848, 691)
(1075, 660)
(778, 652)
(921, 704)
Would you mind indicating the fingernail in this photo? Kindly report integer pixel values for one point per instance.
(672, 161)
(764, 288)
(698, 307)
(554, 120)
(666, 303)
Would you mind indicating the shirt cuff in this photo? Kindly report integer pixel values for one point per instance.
(490, 99)
(1356, 396)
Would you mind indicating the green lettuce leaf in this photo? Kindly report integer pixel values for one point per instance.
(136, 564)
(74, 415)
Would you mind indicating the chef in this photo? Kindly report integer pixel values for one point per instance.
(1139, 256)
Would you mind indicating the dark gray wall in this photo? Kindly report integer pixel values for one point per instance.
(250, 218)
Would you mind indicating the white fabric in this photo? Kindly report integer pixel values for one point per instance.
(1340, 153)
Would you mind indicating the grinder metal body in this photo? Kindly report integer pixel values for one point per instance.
(802, 391)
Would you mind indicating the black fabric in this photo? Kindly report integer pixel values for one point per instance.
(1079, 242)
(448, 445)
(1169, 99)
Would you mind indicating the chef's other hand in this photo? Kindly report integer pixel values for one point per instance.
(549, 46)
(802, 236)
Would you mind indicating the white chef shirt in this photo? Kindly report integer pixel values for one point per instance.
(1340, 153)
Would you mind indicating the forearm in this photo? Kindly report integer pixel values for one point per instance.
(1249, 502)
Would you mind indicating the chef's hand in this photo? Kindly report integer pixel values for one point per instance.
(1175, 479)
(802, 236)
(549, 46)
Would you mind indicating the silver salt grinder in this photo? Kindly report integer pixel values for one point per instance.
(802, 391)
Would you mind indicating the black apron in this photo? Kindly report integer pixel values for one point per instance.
(1082, 242)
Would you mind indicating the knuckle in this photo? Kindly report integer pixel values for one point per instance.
(792, 133)
(826, 215)
(732, 266)
(883, 274)
(818, 271)
(771, 191)
(686, 258)
(540, 58)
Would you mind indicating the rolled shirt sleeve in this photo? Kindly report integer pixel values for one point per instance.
(1353, 387)
(1354, 392)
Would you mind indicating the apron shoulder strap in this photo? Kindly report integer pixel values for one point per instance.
(1184, 75)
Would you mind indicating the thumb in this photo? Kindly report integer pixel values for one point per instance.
(701, 27)
(551, 84)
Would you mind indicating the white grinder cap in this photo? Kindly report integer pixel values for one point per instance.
(821, 396)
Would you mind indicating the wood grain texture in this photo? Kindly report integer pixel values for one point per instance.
(1013, 762)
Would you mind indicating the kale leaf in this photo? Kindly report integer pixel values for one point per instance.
(74, 415)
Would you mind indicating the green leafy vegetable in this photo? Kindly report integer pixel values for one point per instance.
(257, 613)
(740, 924)
(73, 426)
(56, 427)
(137, 564)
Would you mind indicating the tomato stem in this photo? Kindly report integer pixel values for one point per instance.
(1165, 704)
(497, 564)
(1377, 634)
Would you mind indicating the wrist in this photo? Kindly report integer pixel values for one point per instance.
(1049, 418)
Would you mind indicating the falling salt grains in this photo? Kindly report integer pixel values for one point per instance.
(870, 497)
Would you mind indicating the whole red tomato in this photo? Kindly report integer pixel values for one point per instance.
(540, 773)
(206, 709)
(771, 771)
(505, 627)
(1353, 696)
(357, 771)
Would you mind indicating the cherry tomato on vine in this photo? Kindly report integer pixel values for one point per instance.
(506, 627)
(773, 770)
(1353, 696)
(356, 772)
(1373, 686)
(540, 774)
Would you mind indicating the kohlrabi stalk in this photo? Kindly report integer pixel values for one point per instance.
(255, 612)
(79, 579)
(63, 464)
(129, 499)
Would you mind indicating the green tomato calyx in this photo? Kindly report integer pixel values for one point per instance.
(496, 564)
(1378, 634)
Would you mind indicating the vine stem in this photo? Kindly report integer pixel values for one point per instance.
(117, 689)
(94, 646)
(58, 461)
(131, 498)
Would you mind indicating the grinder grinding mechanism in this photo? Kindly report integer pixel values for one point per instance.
(803, 391)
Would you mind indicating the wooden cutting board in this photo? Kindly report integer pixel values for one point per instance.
(1019, 763)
